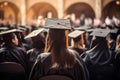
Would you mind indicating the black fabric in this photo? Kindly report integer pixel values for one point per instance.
(117, 60)
(38, 48)
(112, 45)
(87, 41)
(14, 54)
(42, 67)
(38, 41)
(55, 77)
(99, 61)
(79, 50)
(32, 55)
(28, 44)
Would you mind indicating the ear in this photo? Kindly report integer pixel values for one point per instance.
(13, 40)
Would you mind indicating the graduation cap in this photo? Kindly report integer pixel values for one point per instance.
(25, 27)
(75, 34)
(10, 31)
(28, 27)
(90, 30)
(3, 28)
(35, 33)
(22, 28)
(84, 28)
(6, 35)
(55, 23)
(100, 33)
(114, 31)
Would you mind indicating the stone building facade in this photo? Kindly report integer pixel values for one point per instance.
(24, 11)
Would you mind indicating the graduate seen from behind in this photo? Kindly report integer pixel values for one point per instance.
(10, 52)
(78, 41)
(58, 59)
(117, 56)
(100, 59)
(38, 43)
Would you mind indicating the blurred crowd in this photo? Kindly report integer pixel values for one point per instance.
(92, 53)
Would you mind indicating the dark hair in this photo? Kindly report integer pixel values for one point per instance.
(77, 39)
(78, 42)
(98, 40)
(62, 58)
(38, 42)
(7, 38)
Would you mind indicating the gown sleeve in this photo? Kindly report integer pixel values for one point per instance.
(83, 68)
(37, 70)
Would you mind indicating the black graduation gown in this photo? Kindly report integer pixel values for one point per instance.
(112, 44)
(42, 67)
(28, 44)
(99, 61)
(117, 60)
(79, 50)
(87, 41)
(14, 54)
(33, 54)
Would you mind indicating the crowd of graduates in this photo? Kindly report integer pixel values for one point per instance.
(83, 52)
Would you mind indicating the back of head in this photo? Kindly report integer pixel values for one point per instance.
(99, 54)
(100, 37)
(99, 41)
(7, 38)
(57, 36)
(62, 58)
(77, 39)
(38, 42)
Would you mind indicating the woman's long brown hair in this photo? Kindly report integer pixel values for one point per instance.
(62, 58)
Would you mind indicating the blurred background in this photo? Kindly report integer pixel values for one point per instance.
(27, 12)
